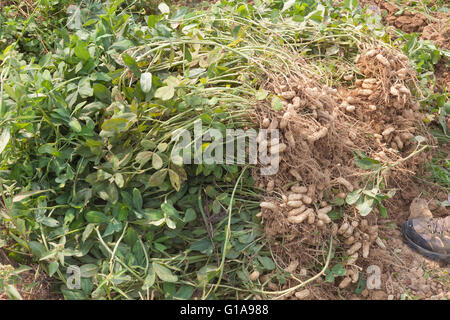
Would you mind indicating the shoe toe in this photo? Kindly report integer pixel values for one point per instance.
(412, 230)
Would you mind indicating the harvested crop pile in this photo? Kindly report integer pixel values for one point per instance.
(324, 131)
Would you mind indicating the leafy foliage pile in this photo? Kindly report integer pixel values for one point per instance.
(86, 178)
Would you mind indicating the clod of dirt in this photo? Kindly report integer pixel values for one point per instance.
(439, 31)
(405, 20)
(419, 209)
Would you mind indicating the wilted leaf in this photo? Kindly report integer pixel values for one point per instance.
(261, 94)
(157, 162)
(164, 273)
(146, 82)
(165, 93)
(175, 180)
(13, 293)
(277, 105)
(164, 8)
(149, 279)
(157, 178)
(353, 197)
(366, 206)
(88, 270)
(143, 157)
(4, 139)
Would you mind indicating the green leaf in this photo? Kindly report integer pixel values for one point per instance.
(112, 227)
(53, 267)
(165, 93)
(361, 285)
(122, 45)
(169, 209)
(49, 222)
(46, 148)
(338, 270)
(329, 277)
(164, 273)
(137, 199)
(102, 93)
(216, 207)
(190, 215)
(115, 125)
(81, 51)
(37, 249)
(204, 246)
(185, 292)
(131, 63)
(367, 164)
(267, 262)
(75, 125)
(335, 215)
(73, 294)
(338, 202)
(383, 211)
(151, 21)
(96, 217)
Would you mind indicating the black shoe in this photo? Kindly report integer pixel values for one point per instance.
(430, 237)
